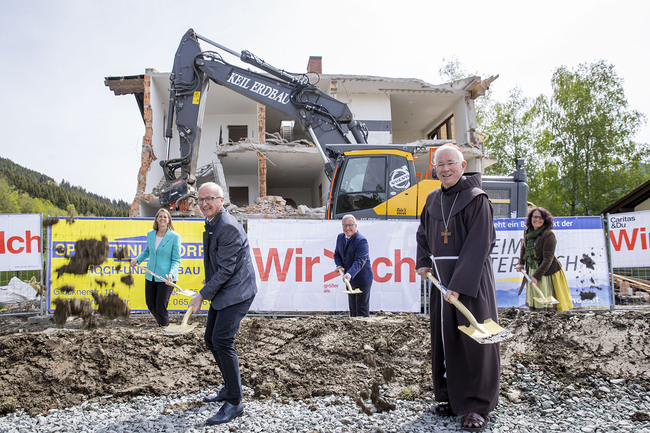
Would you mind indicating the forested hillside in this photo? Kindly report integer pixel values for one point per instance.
(26, 191)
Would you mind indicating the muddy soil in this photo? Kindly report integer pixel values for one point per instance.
(88, 252)
(43, 366)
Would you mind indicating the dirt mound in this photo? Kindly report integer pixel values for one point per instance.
(298, 358)
(575, 345)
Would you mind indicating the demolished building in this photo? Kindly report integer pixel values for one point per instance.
(264, 161)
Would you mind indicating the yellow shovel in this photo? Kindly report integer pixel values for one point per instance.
(540, 298)
(487, 332)
(350, 290)
(183, 292)
(183, 327)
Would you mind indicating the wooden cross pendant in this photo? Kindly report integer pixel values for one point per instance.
(445, 235)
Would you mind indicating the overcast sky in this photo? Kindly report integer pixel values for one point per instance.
(57, 117)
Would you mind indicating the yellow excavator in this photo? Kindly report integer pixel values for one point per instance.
(368, 181)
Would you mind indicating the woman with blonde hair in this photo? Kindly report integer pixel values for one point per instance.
(164, 253)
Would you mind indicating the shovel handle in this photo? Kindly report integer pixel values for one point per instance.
(187, 315)
(158, 276)
(457, 304)
(538, 291)
(347, 283)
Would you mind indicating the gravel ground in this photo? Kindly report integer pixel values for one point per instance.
(544, 405)
(568, 372)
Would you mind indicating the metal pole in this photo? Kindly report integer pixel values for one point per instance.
(203, 38)
(609, 260)
(40, 271)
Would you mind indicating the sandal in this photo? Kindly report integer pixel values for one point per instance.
(443, 409)
(473, 422)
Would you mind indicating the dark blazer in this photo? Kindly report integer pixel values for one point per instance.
(166, 258)
(547, 264)
(354, 258)
(229, 271)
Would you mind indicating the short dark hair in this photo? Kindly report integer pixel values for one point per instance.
(548, 218)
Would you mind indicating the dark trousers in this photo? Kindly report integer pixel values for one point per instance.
(220, 330)
(157, 294)
(360, 304)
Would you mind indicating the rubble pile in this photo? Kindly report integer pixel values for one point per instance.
(276, 207)
(276, 138)
(629, 290)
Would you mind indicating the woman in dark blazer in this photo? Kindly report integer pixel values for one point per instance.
(537, 255)
(164, 253)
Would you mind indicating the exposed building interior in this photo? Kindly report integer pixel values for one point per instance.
(256, 151)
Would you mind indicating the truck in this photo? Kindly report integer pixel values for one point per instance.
(369, 181)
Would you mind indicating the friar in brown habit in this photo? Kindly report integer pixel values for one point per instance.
(456, 228)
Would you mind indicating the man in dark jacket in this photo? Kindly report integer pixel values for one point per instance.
(351, 257)
(230, 287)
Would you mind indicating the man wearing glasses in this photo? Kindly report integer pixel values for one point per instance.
(230, 287)
(351, 258)
(454, 241)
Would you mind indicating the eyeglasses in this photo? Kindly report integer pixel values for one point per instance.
(449, 164)
(349, 225)
(207, 200)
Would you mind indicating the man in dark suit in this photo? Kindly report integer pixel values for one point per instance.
(230, 287)
(351, 257)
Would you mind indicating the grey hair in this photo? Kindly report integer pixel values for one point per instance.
(449, 146)
(212, 186)
(349, 216)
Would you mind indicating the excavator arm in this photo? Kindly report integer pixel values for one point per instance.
(322, 117)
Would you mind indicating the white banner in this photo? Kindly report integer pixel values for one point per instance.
(294, 263)
(580, 250)
(294, 260)
(629, 239)
(20, 242)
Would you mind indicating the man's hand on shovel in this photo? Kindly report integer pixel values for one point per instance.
(350, 290)
(195, 303)
(447, 294)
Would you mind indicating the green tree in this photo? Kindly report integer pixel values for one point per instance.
(453, 70)
(510, 130)
(590, 158)
(8, 198)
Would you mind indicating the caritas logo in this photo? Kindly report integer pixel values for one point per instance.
(11, 243)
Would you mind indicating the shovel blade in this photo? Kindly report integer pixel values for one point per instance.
(179, 329)
(489, 332)
(184, 326)
(548, 300)
(352, 292)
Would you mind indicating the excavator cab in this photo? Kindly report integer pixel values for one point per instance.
(374, 183)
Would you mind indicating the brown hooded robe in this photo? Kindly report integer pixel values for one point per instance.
(465, 373)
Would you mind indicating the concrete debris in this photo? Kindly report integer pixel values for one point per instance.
(276, 207)
(276, 138)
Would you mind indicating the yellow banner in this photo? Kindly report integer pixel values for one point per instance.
(129, 236)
